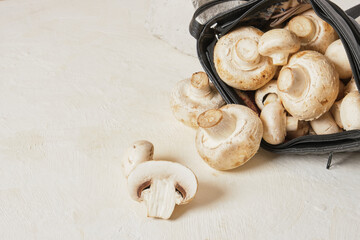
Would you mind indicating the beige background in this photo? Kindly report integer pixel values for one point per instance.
(79, 81)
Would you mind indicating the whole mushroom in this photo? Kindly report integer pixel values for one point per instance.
(192, 97)
(337, 55)
(275, 122)
(350, 111)
(335, 112)
(228, 137)
(161, 185)
(308, 86)
(278, 44)
(314, 33)
(138, 152)
(238, 62)
(325, 125)
(351, 87)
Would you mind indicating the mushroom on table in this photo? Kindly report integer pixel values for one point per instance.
(160, 185)
(228, 137)
(193, 96)
(138, 152)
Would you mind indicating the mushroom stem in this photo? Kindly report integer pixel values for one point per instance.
(279, 59)
(200, 86)
(293, 80)
(303, 27)
(217, 124)
(272, 97)
(246, 54)
(160, 198)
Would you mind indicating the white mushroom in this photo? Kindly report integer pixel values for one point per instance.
(308, 86)
(337, 55)
(302, 130)
(273, 117)
(278, 44)
(325, 125)
(275, 122)
(238, 62)
(193, 96)
(227, 138)
(350, 111)
(314, 33)
(335, 111)
(161, 185)
(140, 151)
(262, 93)
(351, 87)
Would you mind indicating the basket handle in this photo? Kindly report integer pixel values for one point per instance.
(195, 27)
(354, 12)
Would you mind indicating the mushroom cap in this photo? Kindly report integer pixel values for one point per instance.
(350, 111)
(325, 125)
(183, 178)
(260, 94)
(335, 111)
(337, 55)
(279, 43)
(138, 152)
(273, 117)
(238, 62)
(308, 86)
(186, 105)
(236, 149)
(314, 33)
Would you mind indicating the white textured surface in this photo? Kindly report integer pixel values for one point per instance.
(80, 80)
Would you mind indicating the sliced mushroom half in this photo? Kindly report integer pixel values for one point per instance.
(160, 185)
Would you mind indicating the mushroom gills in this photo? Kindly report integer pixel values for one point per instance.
(160, 198)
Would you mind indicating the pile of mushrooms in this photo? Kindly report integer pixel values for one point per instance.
(308, 95)
(158, 184)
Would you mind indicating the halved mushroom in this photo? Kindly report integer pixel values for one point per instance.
(278, 44)
(314, 33)
(325, 125)
(140, 151)
(337, 55)
(161, 185)
(350, 111)
(227, 138)
(308, 86)
(192, 97)
(238, 62)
